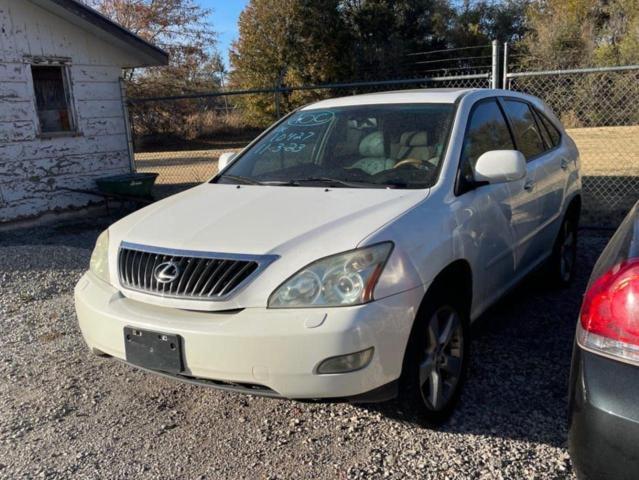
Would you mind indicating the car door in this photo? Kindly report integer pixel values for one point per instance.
(559, 167)
(491, 206)
(529, 215)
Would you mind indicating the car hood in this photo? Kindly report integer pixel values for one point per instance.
(265, 219)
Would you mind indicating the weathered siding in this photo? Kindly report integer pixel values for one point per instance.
(35, 169)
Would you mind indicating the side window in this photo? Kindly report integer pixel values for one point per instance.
(487, 130)
(553, 132)
(525, 130)
(542, 130)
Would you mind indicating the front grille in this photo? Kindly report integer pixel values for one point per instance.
(193, 275)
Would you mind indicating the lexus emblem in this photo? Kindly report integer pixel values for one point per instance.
(166, 272)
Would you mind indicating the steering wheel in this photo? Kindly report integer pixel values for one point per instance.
(413, 162)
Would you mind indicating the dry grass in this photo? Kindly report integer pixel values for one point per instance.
(180, 167)
(609, 166)
(605, 151)
(608, 151)
(212, 123)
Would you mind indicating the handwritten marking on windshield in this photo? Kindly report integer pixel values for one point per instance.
(285, 147)
(310, 119)
(294, 136)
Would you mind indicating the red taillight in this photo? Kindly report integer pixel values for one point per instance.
(611, 305)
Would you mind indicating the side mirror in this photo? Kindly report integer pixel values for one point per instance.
(224, 160)
(500, 166)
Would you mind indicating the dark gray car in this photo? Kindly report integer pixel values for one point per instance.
(604, 384)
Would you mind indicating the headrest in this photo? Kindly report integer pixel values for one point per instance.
(414, 139)
(372, 145)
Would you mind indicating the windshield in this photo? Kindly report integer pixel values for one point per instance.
(371, 146)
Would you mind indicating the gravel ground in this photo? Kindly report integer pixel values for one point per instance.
(66, 413)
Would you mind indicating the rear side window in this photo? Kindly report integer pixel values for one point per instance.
(527, 135)
(543, 131)
(487, 130)
(553, 132)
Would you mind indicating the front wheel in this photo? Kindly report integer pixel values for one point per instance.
(435, 363)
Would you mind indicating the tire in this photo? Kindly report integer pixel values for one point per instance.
(561, 264)
(434, 371)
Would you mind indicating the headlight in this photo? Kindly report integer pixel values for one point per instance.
(344, 279)
(100, 257)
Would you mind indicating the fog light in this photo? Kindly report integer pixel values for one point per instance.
(346, 363)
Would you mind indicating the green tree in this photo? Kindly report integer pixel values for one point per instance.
(579, 33)
(384, 32)
(480, 22)
(286, 42)
(618, 38)
(562, 33)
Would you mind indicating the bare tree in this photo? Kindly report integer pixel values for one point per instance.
(183, 29)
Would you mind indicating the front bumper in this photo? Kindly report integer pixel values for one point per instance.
(279, 349)
(603, 417)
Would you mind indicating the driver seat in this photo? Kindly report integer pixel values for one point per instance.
(414, 145)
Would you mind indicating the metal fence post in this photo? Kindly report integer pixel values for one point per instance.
(504, 81)
(278, 93)
(494, 79)
(277, 101)
(128, 125)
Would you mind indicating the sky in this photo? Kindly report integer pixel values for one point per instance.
(225, 15)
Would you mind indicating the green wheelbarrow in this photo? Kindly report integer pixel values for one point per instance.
(132, 185)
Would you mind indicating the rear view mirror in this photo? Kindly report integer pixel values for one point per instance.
(499, 166)
(224, 160)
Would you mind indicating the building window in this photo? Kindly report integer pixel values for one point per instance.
(52, 98)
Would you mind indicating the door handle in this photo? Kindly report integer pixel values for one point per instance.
(529, 185)
(564, 163)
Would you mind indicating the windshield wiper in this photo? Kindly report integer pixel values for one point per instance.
(334, 182)
(397, 184)
(241, 180)
(296, 182)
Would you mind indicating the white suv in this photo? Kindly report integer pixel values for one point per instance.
(344, 253)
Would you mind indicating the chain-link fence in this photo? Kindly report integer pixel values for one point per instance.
(181, 137)
(600, 109)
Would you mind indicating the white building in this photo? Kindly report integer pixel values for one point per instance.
(62, 107)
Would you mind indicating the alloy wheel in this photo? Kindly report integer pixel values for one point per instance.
(441, 365)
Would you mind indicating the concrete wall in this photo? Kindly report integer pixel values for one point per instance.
(33, 167)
